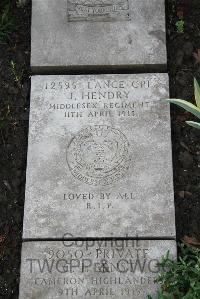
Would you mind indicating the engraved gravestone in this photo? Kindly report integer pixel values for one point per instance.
(97, 35)
(99, 157)
(91, 269)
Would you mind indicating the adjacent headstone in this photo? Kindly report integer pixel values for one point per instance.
(92, 269)
(98, 35)
(99, 158)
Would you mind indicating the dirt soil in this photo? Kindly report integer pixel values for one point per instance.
(183, 65)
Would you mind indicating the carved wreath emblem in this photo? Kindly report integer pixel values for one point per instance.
(98, 155)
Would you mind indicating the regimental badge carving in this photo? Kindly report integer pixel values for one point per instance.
(98, 155)
(98, 10)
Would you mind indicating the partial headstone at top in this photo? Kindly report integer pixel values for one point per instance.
(98, 35)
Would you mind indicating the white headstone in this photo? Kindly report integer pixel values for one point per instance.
(99, 157)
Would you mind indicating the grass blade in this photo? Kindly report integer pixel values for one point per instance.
(197, 92)
(186, 105)
(193, 124)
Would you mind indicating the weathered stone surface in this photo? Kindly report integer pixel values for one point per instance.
(99, 157)
(91, 269)
(98, 34)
